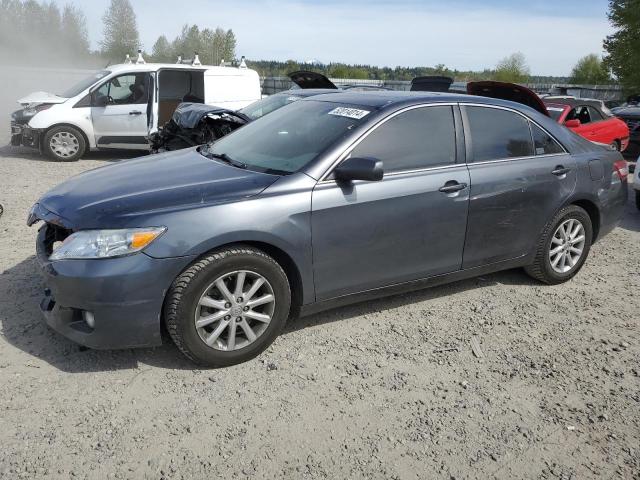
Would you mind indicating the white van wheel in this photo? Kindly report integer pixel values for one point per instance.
(64, 144)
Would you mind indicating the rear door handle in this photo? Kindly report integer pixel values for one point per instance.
(560, 170)
(135, 112)
(452, 187)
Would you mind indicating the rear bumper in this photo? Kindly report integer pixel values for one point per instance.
(125, 295)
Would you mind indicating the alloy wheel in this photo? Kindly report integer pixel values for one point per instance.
(234, 310)
(567, 245)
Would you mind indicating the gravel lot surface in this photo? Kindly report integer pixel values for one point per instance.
(385, 389)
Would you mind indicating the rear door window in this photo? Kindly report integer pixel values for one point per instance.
(418, 138)
(498, 134)
(544, 143)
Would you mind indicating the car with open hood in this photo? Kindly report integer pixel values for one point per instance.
(118, 107)
(329, 200)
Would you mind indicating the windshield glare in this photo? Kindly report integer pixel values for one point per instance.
(267, 105)
(85, 83)
(288, 139)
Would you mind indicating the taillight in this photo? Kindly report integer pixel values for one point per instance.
(620, 167)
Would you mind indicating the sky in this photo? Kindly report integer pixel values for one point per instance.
(462, 34)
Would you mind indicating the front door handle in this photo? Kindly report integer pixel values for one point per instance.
(135, 112)
(560, 171)
(452, 186)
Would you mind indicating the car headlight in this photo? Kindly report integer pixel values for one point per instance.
(105, 243)
(30, 111)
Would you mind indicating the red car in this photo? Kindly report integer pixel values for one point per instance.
(589, 119)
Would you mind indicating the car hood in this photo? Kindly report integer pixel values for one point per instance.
(110, 196)
(508, 91)
(305, 79)
(41, 97)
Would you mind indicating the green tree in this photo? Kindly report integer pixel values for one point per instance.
(513, 69)
(120, 31)
(623, 47)
(161, 51)
(229, 46)
(74, 30)
(590, 71)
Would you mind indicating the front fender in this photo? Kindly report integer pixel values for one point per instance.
(62, 114)
(279, 217)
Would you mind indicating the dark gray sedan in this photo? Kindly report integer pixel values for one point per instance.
(330, 200)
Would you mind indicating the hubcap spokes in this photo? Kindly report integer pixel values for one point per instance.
(234, 310)
(64, 144)
(567, 245)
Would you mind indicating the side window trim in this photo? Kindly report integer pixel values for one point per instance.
(328, 175)
(469, 140)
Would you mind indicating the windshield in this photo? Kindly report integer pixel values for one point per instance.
(290, 138)
(555, 112)
(85, 83)
(267, 105)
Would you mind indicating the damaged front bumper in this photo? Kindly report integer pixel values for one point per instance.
(23, 134)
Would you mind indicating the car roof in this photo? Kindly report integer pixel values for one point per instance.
(572, 102)
(385, 99)
(146, 67)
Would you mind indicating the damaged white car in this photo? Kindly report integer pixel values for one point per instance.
(119, 107)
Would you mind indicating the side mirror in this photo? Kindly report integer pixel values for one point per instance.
(572, 123)
(99, 101)
(356, 168)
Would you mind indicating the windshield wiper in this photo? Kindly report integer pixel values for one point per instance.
(225, 158)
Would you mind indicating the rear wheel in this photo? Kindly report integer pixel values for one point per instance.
(563, 246)
(228, 307)
(64, 144)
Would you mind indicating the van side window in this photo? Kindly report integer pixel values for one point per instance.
(419, 138)
(498, 134)
(545, 144)
(128, 89)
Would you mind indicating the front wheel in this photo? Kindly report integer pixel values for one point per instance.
(64, 144)
(228, 307)
(563, 246)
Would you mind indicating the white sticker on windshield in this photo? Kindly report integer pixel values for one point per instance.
(349, 112)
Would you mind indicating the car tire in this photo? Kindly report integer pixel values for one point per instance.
(197, 297)
(554, 244)
(638, 199)
(64, 144)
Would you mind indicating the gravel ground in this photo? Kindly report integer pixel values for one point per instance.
(385, 389)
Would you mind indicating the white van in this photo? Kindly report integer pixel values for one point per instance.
(120, 106)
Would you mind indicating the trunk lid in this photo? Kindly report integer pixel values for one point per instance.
(305, 80)
(508, 91)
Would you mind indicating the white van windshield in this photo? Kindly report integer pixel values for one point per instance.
(85, 83)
